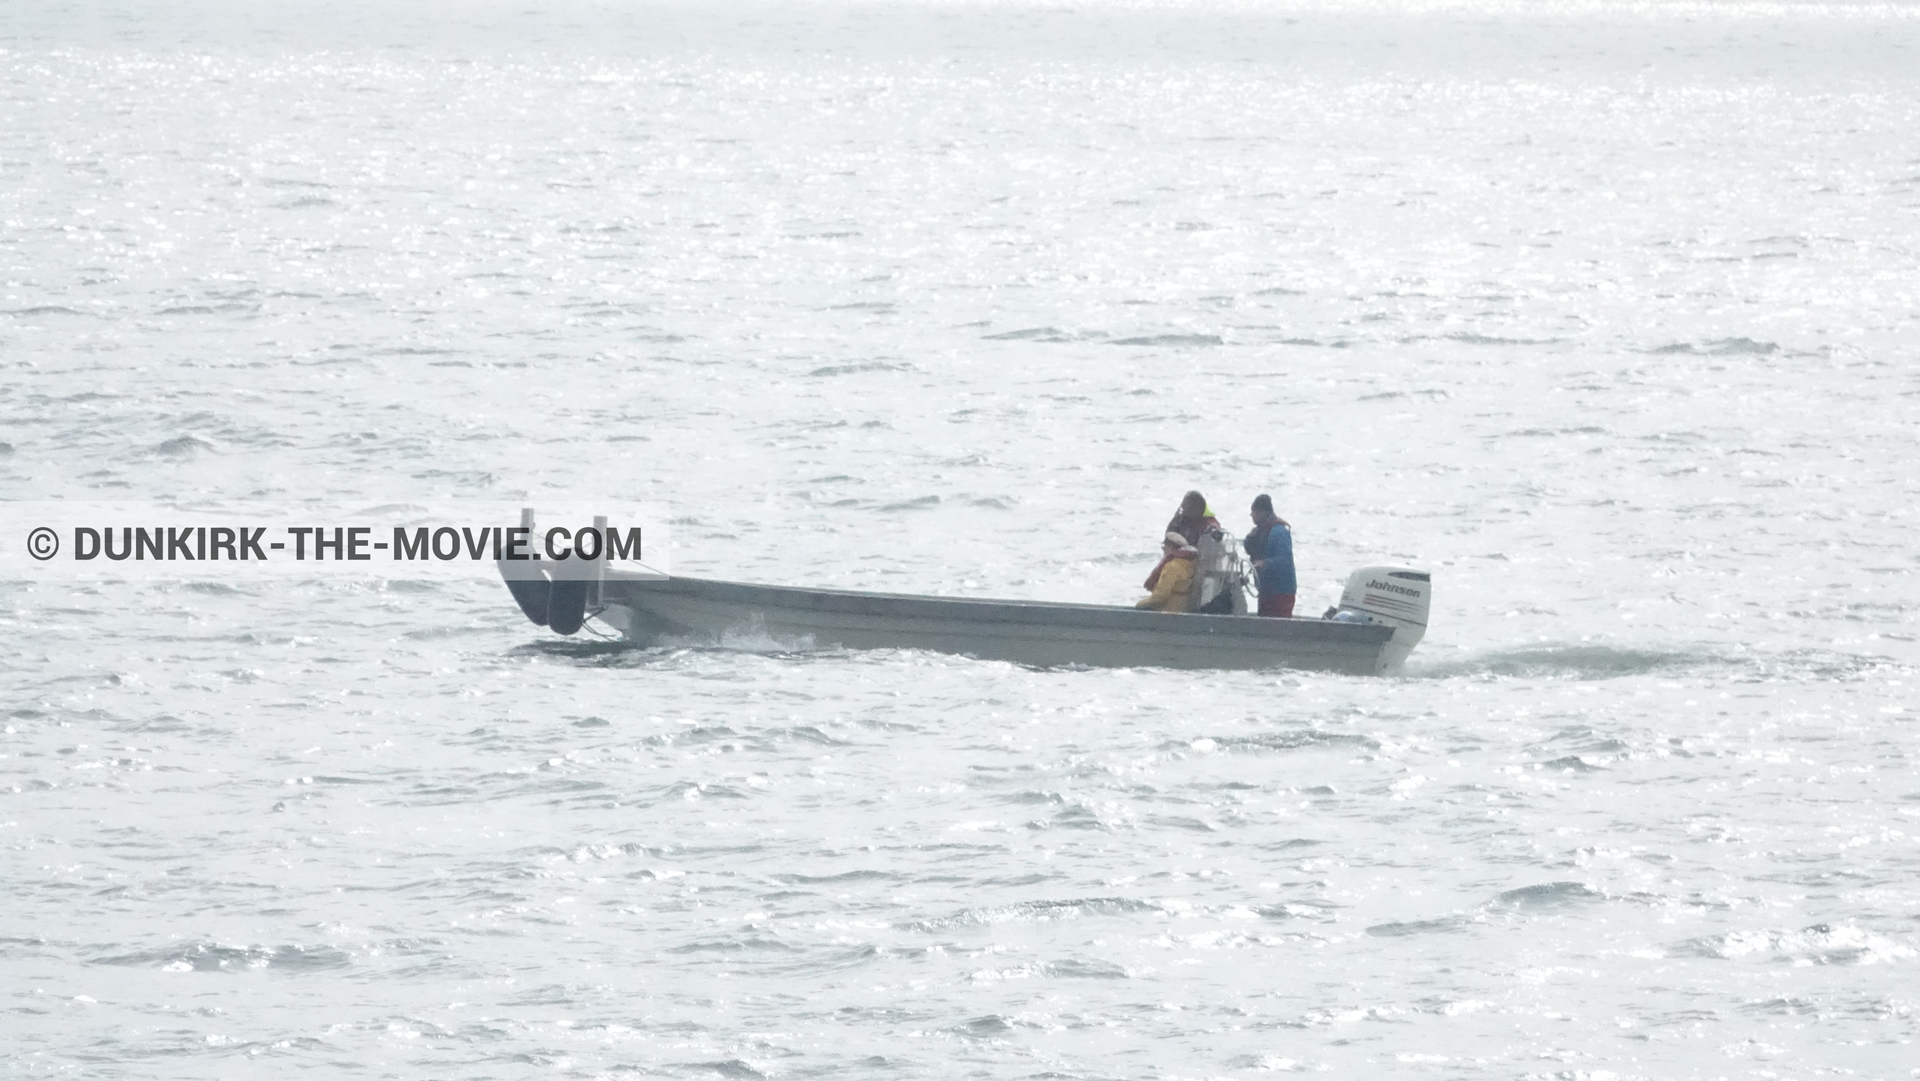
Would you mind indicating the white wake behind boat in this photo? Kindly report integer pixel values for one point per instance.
(1381, 616)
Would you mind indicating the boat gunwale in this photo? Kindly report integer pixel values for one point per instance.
(986, 610)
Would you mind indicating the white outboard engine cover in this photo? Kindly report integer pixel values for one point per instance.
(1396, 596)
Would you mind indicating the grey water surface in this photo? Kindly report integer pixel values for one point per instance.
(1607, 314)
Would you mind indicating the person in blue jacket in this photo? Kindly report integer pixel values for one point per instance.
(1270, 546)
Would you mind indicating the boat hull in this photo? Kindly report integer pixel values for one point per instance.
(649, 610)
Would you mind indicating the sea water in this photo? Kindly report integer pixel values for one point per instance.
(1604, 313)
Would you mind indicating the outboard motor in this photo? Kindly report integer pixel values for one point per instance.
(1396, 596)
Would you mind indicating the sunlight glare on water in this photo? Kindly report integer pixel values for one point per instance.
(1605, 313)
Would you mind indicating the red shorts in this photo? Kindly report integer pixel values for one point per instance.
(1276, 604)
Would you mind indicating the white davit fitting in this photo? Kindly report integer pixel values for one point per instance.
(1396, 596)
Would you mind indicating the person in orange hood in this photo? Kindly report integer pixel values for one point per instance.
(1193, 518)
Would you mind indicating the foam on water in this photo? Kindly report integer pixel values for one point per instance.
(1605, 313)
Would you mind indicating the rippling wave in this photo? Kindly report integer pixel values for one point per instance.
(1602, 312)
